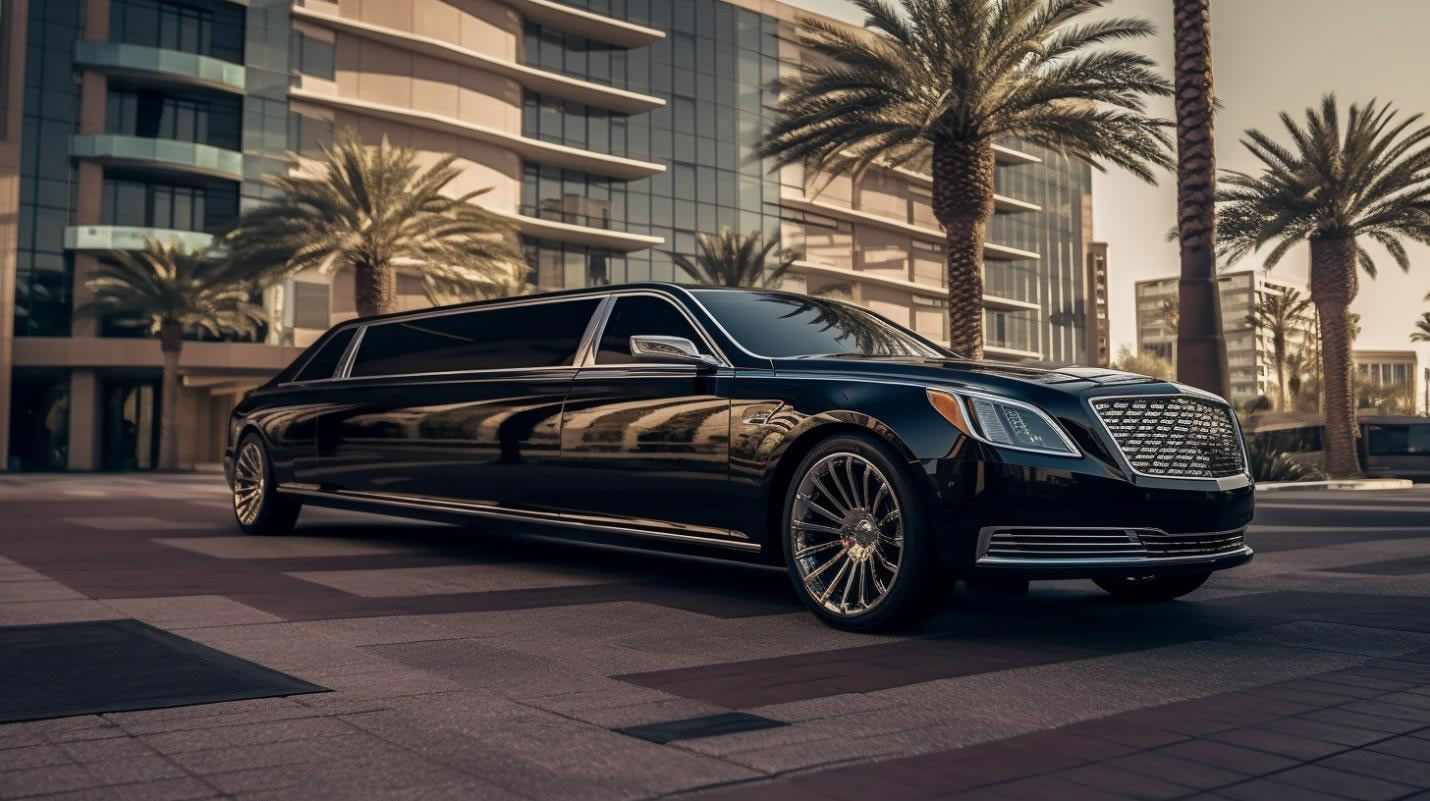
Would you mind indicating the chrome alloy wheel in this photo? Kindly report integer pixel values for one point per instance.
(847, 534)
(248, 483)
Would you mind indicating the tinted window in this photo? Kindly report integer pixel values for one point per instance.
(1397, 440)
(784, 326)
(642, 315)
(325, 362)
(538, 335)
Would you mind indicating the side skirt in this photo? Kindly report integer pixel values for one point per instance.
(450, 511)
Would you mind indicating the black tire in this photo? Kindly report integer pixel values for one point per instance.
(1148, 589)
(257, 507)
(913, 591)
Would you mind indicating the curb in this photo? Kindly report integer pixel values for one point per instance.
(1337, 484)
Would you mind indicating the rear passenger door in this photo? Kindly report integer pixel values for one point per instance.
(647, 444)
(458, 405)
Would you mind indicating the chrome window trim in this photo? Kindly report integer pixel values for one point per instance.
(614, 296)
(1222, 482)
(346, 365)
(352, 357)
(341, 359)
(594, 327)
(695, 298)
(721, 538)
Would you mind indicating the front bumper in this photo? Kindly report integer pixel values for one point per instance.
(1025, 516)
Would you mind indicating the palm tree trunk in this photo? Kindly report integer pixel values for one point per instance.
(171, 342)
(1333, 287)
(374, 289)
(963, 204)
(1278, 352)
(1201, 345)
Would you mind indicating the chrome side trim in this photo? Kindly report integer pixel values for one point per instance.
(713, 538)
(587, 350)
(1223, 482)
(1143, 557)
(345, 365)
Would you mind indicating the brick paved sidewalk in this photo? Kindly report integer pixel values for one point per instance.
(1361, 733)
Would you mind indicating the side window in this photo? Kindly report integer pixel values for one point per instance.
(325, 362)
(636, 315)
(534, 335)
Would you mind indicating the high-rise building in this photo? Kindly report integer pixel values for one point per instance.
(1249, 353)
(611, 132)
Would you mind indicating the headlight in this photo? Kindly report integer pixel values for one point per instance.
(1003, 422)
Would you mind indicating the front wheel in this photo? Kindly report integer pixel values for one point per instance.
(1151, 588)
(856, 541)
(257, 506)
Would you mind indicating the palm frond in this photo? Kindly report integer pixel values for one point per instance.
(730, 259)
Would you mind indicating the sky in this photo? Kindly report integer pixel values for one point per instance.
(1267, 56)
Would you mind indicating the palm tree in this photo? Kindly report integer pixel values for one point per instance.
(506, 284)
(730, 259)
(374, 209)
(933, 84)
(168, 289)
(1201, 345)
(1422, 329)
(1279, 315)
(1368, 176)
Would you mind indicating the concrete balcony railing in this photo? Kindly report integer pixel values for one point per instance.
(171, 66)
(537, 80)
(128, 237)
(190, 157)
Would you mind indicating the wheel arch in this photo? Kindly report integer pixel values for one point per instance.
(817, 429)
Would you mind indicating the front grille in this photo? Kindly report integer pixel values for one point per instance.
(1053, 544)
(1176, 436)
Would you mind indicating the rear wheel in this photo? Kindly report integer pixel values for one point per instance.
(257, 506)
(855, 538)
(1152, 588)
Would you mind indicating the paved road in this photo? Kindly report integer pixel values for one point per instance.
(477, 667)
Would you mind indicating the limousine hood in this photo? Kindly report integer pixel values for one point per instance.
(972, 374)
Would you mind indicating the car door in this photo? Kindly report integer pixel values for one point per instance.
(460, 405)
(646, 444)
(288, 413)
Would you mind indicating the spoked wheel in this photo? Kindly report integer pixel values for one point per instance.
(1151, 588)
(257, 507)
(855, 541)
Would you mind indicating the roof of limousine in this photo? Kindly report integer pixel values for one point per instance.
(673, 288)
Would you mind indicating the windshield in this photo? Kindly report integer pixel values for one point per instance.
(789, 326)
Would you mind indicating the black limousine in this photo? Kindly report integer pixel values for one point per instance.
(875, 465)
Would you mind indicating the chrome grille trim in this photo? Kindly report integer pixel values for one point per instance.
(1054, 546)
(1173, 436)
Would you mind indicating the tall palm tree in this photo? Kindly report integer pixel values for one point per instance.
(731, 259)
(933, 84)
(168, 288)
(1279, 315)
(1422, 329)
(1367, 176)
(374, 209)
(503, 285)
(1201, 345)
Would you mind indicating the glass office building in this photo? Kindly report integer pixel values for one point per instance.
(611, 132)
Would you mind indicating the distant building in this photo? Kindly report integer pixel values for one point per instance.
(1250, 357)
(1098, 346)
(1397, 371)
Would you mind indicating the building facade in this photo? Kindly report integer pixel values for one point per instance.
(1250, 357)
(1391, 379)
(611, 132)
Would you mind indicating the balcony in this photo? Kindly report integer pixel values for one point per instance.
(580, 230)
(991, 251)
(167, 66)
(527, 148)
(536, 80)
(128, 237)
(595, 26)
(187, 157)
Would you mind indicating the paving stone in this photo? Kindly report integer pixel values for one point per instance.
(1127, 783)
(1349, 785)
(48, 779)
(1161, 765)
(1413, 772)
(32, 756)
(1289, 745)
(1247, 761)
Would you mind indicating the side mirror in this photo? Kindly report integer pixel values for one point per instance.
(669, 350)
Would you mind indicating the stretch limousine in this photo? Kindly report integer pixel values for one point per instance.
(875, 465)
